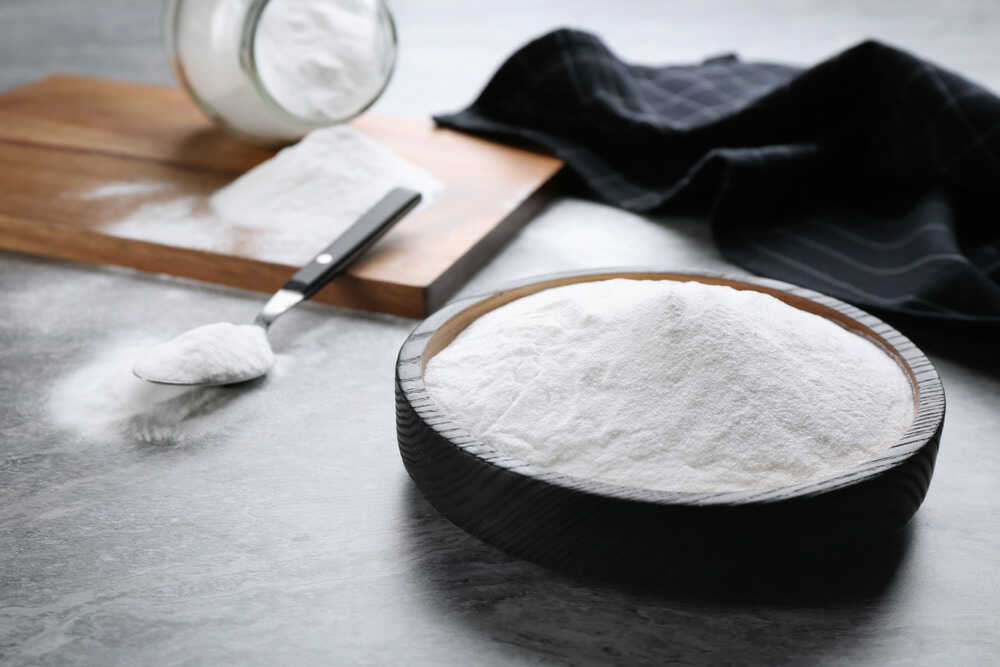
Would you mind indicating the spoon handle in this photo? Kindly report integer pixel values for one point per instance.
(353, 243)
(340, 254)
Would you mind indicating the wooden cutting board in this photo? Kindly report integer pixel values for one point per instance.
(80, 155)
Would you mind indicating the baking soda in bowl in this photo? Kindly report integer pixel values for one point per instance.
(675, 386)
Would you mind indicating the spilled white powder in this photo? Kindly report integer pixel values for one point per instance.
(302, 198)
(174, 221)
(324, 61)
(671, 386)
(220, 353)
(125, 189)
(102, 400)
(320, 185)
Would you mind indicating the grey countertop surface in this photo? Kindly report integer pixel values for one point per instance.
(274, 523)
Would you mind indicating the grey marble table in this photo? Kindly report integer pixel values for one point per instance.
(274, 524)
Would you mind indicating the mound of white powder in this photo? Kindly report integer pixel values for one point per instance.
(302, 198)
(671, 386)
(324, 182)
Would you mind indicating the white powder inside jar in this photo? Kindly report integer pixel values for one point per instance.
(671, 386)
(207, 46)
(322, 59)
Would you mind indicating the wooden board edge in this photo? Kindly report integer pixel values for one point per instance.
(441, 289)
(348, 291)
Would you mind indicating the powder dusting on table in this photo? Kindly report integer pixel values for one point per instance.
(102, 400)
(671, 386)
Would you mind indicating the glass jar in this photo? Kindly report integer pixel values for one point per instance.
(273, 70)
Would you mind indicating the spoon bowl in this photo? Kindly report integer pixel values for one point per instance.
(224, 353)
(213, 354)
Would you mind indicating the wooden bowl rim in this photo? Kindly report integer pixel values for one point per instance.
(438, 330)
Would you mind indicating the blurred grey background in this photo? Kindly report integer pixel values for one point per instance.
(461, 43)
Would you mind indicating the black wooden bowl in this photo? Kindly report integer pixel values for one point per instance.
(599, 528)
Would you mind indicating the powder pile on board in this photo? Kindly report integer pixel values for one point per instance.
(309, 192)
(322, 184)
(180, 220)
(322, 60)
(671, 386)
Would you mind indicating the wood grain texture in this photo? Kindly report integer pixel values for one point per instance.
(63, 137)
(592, 527)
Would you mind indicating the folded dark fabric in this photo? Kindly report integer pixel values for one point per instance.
(872, 176)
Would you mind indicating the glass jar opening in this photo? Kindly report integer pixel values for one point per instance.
(319, 62)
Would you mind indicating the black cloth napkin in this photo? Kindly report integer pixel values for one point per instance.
(872, 176)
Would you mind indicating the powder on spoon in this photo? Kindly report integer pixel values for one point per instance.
(671, 386)
(220, 353)
(311, 191)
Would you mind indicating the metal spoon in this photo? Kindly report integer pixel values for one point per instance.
(226, 353)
